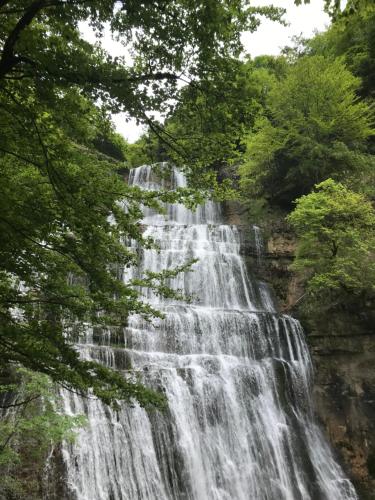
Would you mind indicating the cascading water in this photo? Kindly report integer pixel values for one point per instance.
(258, 240)
(237, 377)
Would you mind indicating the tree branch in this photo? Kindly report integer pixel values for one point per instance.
(21, 403)
(8, 59)
(22, 158)
(151, 76)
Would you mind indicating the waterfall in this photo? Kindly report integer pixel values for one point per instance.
(258, 240)
(237, 377)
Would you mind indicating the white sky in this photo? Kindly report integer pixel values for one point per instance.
(268, 39)
(271, 37)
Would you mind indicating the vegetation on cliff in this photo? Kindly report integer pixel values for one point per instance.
(312, 127)
(336, 237)
(315, 138)
(285, 124)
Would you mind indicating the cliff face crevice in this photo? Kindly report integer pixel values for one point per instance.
(342, 347)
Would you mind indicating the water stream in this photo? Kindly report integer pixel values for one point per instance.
(237, 377)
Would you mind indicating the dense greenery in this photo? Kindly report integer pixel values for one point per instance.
(29, 427)
(316, 128)
(353, 39)
(312, 128)
(336, 237)
(286, 124)
(209, 128)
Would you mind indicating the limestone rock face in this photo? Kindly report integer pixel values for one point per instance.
(344, 396)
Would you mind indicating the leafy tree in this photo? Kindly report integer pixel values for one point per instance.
(112, 145)
(313, 127)
(274, 67)
(148, 149)
(341, 8)
(209, 127)
(202, 120)
(30, 426)
(336, 236)
(62, 218)
(41, 41)
(352, 37)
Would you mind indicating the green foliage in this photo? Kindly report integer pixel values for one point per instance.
(336, 237)
(353, 38)
(203, 120)
(31, 425)
(339, 9)
(270, 68)
(148, 149)
(112, 145)
(62, 220)
(41, 40)
(209, 122)
(313, 127)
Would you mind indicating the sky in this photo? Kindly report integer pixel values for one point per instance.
(268, 39)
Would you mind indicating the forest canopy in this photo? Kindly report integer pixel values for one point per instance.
(312, 127)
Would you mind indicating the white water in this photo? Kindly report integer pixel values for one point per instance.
(237, 377)
(259, 246)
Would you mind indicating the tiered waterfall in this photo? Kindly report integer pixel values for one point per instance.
(237, 377)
